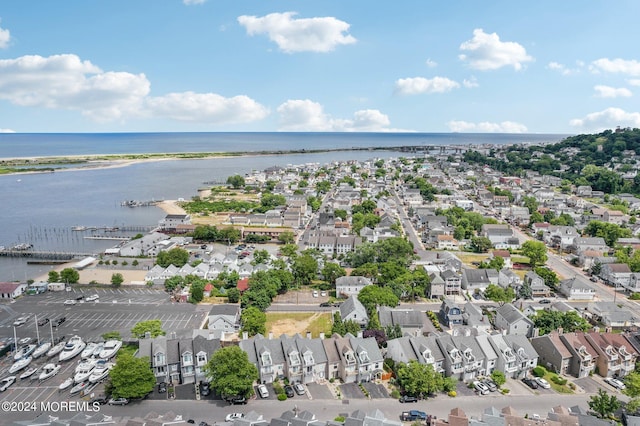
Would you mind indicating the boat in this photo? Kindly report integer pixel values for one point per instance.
(49, 371)
(79, 228)
(68, 382)
(99, 348)
(41, 350)
(28, 373)
(100, 372)
(88, 389)
(20, 364)
(24, 352)
(79, 387)
(88, 350)
(74, 346)
(111, 347)
(55, 350)
(83, 371)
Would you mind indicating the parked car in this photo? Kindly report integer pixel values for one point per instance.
(205, 389)
(263, 391)
(545, 301)
(6, 382)
(616, 383)
(594, 279)
(237, 400)
(162, 387)
(59, 321)
(300, 390)
(118, 401)
(232, 416)
(43, 321)
(490, 384)
(543, 383)
(413, 415)
(481, 388)
(326, 304)
(19, 321)
(530, 382)
(70, 302)
(92, 298)
(99, 399)
(288, 389)
(408, 398)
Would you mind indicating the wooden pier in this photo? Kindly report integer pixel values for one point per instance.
(47, 255)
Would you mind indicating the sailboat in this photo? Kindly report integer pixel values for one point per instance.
(20, 364)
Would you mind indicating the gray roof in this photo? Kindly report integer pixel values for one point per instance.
(485, 346)
(511, 314)
(517, 341)
(402, 317)
(368, 344)
(351, 305)
(421, 343)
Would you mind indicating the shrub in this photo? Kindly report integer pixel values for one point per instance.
(635, 296)
(572, 386)
(395, 394)
(505, 391)
(539, 371)
(558, 380)
(339, 419)
(452, 394)
(282, 397)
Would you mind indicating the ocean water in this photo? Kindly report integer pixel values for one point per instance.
(41, 208)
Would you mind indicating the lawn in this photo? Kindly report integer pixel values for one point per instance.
(558, 388)
(290, 323)
(471, 258)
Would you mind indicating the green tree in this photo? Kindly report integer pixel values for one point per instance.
(603, 404)
(231, 373)
(131, 377)
(69, 275)
(261, 256)
(197, 291)
(550, 278)
(236, 181)
(498, 377)
(111, 335)
(419, 379)
(173, 283)
(154, 327)
(286, 237)
(480, 244)
(338, 326)
(253, 321)
(536, 251)
(304, 269)
(524, 291)
(332, 271)
(610, 232)
(117, 279)
(372, 296)
(323, 186)
(498, 294)
(233, 295)
(54, 277)
(289, 250)
(176, 256)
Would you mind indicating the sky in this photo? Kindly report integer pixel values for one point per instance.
(549, 66)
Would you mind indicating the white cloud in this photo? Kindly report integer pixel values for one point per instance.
(612, 92)
(430, 63)
(68, 83)
(306, 115)
(299, 35)
(487, 52)
(634, 82)
(191, 2)
(417, 85)
(616, 66)
(206, 108)
(563, 69)
(470, 83)
(607, 119)
(486, 127)
(5, 36)
(7, 131)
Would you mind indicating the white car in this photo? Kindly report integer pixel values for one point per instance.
(232, 416)
(263, 391)
(543, 383)
(20, 321)
(92, 298)
(70, 302)
(481, 388)
(6, 382)
(615, 383)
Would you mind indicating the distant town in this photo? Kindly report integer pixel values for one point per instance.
(417, 289)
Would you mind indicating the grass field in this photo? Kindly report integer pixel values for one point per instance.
(290, 323)
(470, 258)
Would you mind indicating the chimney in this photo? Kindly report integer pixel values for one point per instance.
(308, 335)
(270, 335)
(245, 335)
(360, 334)
(322, 335)
(560, 330)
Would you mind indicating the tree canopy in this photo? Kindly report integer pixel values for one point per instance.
(419, 379)
(231, 373)
(372, 296)
(176, 256)
(131, 377)
(253, 321)
(547, 321)
(536, 251)
(153, 327)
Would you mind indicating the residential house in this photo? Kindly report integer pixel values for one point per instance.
(505, 255)
(473, 317)
(583, 355)
(552, 352)
(353, 310)
(508, 278)
(454, 364)
(314, 358)
(409, 320)
(477, 280)
(590, 243)
(537, 285)
(489, 354)
(526, 355)
(612, 315)
(509, 319)
(172, 221)
(501, 236)
(561, 237)
(446, 242)
(615, 216)
(436, 286)
(369, 359)
(267, 355)
(506, 361)
(12, 290)
(348, 367)
(616, 274)
(577, 288)
(224, 318)
(450, 313)
(452, 282)
(350, 285)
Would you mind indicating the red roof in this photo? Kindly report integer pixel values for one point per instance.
(208, 287)
(243, 284)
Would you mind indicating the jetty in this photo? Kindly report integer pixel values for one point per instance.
(47, 255)
(138, 203)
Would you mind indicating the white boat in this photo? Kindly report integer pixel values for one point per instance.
(28, 373)
(20, 364)
(88, 350)
(88, 389)
(41, 350)
(111, 347)
(83, 372)
(56, 349)
(100, 373)
(99, 348)
(24, 352)
(74, 346)
(68, 382)
(48, 371)
(79, 387)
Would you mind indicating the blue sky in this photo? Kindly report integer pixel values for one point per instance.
(319, 65)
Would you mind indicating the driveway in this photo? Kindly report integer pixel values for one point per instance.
(376, 391)
(317, 391)
(591, 385)
(351, 391)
